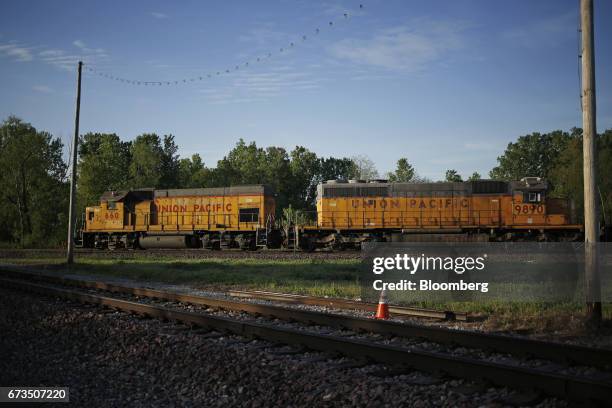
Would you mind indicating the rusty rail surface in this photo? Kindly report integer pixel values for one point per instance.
(558, 385)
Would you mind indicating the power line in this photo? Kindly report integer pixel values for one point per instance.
(215, 73)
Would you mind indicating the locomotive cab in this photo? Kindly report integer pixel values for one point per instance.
(531, 204)
(530, 190)
(528, 205)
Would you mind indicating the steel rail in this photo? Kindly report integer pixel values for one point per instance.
(334, 303)
(348, 304)
(554, 384)
(558, 352)
(356, 253)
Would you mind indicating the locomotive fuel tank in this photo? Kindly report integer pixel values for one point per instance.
(169, 241)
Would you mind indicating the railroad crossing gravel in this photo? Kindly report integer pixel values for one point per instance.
(115, 359)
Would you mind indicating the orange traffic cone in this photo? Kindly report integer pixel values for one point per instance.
(382, 312)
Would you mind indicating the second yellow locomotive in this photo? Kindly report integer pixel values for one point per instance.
(352, 212)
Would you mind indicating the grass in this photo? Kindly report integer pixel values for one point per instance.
(333, 278)
(338, 278)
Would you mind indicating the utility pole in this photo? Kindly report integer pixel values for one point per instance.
(589, 133)
(73, 173)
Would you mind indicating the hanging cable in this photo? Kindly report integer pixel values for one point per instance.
(138, 82)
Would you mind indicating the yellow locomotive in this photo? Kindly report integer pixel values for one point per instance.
(351, 212)
(348, 214)
(239, 216)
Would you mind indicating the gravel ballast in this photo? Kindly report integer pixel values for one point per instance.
(114, 359)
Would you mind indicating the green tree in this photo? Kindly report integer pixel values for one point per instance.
(566, 176)
(294, 176)
(531, 155)
(249, 164)
(475, 176)
(332, 168)
(453, 176)
(242, 165)
(146, 166)
(103, 165)
(277, 173)
(32, 184)
(404, 172)
(169, 166)
(193, 173)
(364, 167)
(304, 167)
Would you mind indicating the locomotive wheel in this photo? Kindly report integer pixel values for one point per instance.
(308, 245)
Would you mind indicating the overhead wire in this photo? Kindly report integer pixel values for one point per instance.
(213, 73)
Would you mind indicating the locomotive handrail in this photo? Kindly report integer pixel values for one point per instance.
(388, 218)
(416, 218)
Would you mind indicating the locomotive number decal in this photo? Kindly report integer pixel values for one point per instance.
(111, 216)
(524, 209)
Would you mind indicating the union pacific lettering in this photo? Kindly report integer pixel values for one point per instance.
(211, 207)
(440, 203)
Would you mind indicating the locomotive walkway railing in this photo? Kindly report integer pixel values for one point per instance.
(363, 219)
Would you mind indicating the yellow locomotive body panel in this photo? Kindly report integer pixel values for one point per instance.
(242, 208)
(448, 207)
(428, 212)
(235, 212)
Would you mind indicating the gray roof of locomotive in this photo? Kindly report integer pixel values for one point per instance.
(149, 193)
(386, 189)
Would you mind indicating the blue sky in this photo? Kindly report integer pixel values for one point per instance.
(446, 84)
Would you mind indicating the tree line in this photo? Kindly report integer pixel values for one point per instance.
(34, 186)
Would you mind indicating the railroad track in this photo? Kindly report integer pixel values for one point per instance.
(333, 303)
(271, 254)
(582, 388)
(336, 303)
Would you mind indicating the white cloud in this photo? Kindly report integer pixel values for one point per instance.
(42, 88)
(50, 53)
(410, 47)
(158, 15)
(81, 45)
(16, 52)
(67, 60)
(53, 56)
(247, 86)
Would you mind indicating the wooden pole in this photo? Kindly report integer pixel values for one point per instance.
(73, 173)
(589, 129)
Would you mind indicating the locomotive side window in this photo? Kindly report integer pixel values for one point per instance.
(248, 214)
(90, 216)
(112, 205)
(533, 197)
